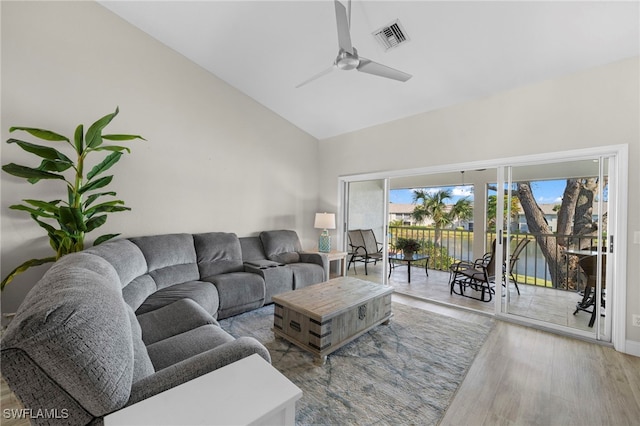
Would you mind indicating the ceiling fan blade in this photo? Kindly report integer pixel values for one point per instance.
(371, 67)
(344, 36)
(320, 74)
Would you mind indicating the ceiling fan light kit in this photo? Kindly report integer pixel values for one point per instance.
(348, 58)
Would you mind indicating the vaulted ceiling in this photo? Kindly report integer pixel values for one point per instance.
(457, 51)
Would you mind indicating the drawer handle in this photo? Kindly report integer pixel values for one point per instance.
(295, 325)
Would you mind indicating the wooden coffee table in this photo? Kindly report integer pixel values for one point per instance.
(323, 317)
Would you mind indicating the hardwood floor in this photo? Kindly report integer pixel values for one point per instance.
(523, 376)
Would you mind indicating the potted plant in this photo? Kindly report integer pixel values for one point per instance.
(408, 246)
(75, 211)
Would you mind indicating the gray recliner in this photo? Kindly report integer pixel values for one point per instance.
(283, 246)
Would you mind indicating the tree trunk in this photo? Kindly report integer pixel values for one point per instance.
(567, 208)
(546, 241)
(584, 226)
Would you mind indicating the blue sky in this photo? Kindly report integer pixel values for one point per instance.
(545, 192)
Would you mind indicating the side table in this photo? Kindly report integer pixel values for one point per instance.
(248, 391)
(341, 257)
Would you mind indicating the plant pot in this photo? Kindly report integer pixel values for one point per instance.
(408, 253)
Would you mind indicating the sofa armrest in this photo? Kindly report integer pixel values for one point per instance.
(262, 264)
(317, 258)
(196, 366)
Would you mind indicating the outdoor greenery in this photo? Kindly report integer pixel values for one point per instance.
(68, 221)
(492, 208)
(433, 206)
(407, 244)
(439, 255)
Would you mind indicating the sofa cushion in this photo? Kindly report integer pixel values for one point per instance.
(170, 320)
(239, 292)
(217, 253)
(142, 366)
(124, 256)
(185, 345)
(201, 292)
(171, 258)
(251, 248)
(281, 246)
(137, 291)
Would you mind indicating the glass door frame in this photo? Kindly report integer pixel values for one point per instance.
(343, 217)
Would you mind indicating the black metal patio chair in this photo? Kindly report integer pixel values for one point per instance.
(363, 247)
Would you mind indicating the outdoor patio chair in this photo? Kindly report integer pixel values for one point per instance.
(515, 256)
(364, 247)
(479, 276)
(589, 265)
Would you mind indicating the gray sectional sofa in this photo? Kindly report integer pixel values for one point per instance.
(125, 320)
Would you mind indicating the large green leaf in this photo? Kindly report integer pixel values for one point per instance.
(42, 151)
(50, 229)
(54, 166)
(91, 198)
(106, 208)
(101, 239)
(47, 135)
(94, 134)
(26, 265)
(51, 207)
(32, 211)
(96, 222)
(122, 137)
(106, 164)
(54, 239)
(50, 166)
(72, 219)
(112, 148)
(78, 139)
(96, 184)
(29, 173)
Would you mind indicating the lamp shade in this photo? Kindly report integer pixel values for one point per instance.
(325, 221)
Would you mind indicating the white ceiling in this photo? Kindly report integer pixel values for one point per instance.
(458, 51)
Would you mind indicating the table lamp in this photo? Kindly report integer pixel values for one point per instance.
(325, 221)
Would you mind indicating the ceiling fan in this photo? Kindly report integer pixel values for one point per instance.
(348, 57)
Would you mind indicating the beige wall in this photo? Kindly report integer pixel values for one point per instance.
(215, 159)
(597, 107)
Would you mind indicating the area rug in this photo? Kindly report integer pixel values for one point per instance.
(406, 372)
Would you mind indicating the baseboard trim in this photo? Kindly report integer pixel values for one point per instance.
(632, 348)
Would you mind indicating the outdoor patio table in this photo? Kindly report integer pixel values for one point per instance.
(415, 258)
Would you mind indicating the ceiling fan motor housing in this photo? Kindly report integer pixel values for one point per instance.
(346, 60)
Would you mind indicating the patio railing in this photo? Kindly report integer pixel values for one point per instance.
(532, 267)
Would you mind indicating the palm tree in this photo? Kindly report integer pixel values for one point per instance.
(433, 206)
(492, 208)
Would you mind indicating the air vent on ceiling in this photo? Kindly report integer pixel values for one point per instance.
(391, 35)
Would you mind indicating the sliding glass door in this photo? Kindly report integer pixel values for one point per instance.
(557, 242)
(366, 209)
(558, 221)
